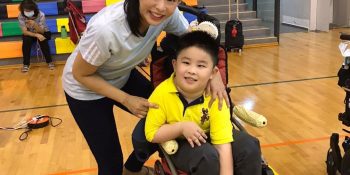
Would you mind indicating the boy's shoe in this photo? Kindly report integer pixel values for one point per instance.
(250, 117)
(144, 171)
(51, 66)
(25, 68)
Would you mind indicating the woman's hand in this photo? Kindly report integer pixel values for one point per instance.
(193, 133)
(40, 37)
(145, 62)
(138, 106)
(217, 89)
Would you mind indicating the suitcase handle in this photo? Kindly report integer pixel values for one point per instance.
(229, 9)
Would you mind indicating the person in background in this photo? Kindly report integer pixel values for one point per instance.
(33, 24)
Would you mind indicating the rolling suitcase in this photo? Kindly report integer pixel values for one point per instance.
(234, 38)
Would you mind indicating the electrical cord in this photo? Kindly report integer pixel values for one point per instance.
(39, 121)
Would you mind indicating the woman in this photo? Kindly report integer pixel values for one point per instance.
(101, 73)
(34, 28)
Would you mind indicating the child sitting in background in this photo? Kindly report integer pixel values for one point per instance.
(207, 143)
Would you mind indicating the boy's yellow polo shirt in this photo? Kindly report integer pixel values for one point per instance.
(172, 109)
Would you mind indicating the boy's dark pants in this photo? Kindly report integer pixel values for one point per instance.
(204, 160)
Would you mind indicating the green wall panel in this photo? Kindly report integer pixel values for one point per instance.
(11, 29)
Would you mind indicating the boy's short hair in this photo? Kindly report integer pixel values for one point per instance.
(202, 40)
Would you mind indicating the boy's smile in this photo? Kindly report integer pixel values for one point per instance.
(190, 80)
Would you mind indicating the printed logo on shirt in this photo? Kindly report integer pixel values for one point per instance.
(205, 116)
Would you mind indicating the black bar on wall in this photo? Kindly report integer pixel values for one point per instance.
(255, 5)
(277, 20)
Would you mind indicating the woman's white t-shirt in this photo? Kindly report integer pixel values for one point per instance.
(109, 44)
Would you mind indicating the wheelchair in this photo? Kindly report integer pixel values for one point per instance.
(161, 68)
(334, 161)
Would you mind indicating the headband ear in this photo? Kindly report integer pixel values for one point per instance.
(208, 27)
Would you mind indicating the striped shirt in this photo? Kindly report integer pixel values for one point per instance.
(109, 44)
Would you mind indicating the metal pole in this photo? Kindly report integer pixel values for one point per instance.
(277, 20)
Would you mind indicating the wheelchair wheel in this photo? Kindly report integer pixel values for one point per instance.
(267, 170)
(158, 168)
(331, 167)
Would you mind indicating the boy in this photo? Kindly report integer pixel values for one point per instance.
(183, 114)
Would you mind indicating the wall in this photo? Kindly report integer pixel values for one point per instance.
(341, 13)
(310, 14)
(296, 12)
(324, 14)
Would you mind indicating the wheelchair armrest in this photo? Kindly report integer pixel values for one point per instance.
(168, 160)
(344, 36)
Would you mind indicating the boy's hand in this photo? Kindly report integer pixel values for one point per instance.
(193, 133)
(138, 106)
(217, 88)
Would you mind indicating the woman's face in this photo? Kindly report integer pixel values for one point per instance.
(28, 13)
(153, 12)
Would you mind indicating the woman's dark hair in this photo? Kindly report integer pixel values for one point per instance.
(133, 16)
(202, 40)
(29, 5)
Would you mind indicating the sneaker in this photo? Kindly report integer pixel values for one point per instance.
(250, 117)
(144, 171)
(25, 68)
(51, 66)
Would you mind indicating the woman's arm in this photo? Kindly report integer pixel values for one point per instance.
(37, 27)
(32, 34)
(85, 73)
(217, 89)
(28, 33)
(226, 160)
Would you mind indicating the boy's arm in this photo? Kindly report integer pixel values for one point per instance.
(226, 160)
(168, 132)
(157, 130)
(190, 130)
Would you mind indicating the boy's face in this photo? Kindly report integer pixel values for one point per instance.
(193, 69)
